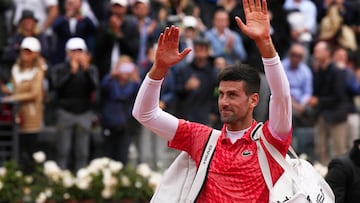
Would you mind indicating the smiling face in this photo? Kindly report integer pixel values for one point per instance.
(235, 106)
(238, 95)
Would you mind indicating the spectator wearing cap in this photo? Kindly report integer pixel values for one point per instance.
(119, 89)
(189, 33)
(225, 42)
(26, 88)
(27, 27)
(146, 26)
(72, 24)
(75, 82)
(195, 84)
(118, 36)
(45, 10)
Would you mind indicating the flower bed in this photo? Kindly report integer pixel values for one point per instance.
(103, 180)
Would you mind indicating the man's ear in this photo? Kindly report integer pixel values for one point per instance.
(254, 99)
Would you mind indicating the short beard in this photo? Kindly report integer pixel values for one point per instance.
(228, 119)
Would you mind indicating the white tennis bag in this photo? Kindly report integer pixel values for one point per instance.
(181, 183)
(300, 182)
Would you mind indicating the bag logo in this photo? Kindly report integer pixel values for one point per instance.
(207, 154)
(320, 198)
(246, 153)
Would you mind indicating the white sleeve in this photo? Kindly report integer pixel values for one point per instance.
(49, 3)
(147, 111)
(280, 110)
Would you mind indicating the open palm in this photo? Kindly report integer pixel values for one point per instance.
(257, 19)
(167, 53)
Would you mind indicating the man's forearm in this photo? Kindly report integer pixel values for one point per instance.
(156, 73)
(266, 48)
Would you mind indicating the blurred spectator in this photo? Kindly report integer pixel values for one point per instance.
(174, 10)
(341, 59)
(344, 175)
(87, 9)
(118, 94)
(146, 26)
(225, 42)
(99, 9)
(4, 6)
(75, 82)
(302, 18)
(27, 27)
(26, 88)
(334, 29)
(189, 32)
(118, 36)
(300, 77)
(195, 84)
(149, 60)
(45, 11)
(72, 24)
(280, 27)
(206, 11)
(356, 20)
(330, 100)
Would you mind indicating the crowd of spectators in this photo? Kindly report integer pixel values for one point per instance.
(92, 56)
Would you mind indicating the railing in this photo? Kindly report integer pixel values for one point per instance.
(9, 137)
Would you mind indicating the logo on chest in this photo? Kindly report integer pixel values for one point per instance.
(246, 153)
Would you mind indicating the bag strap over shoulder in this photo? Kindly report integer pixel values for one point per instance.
(258, 135)
(204, 166)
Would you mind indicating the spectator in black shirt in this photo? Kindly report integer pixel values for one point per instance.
(75, 82)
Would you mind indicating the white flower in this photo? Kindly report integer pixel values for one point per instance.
(27, 190)
(83, 179)
(138, 184)
(125, 181)
(155, 179)
(48, 192)
(82, 173)
(115, 166)
(67, 179)
(83, 184)
(108, 179)
(39, 157)
(52, 170)
(18, 173)
(1, 185)
(2, 171)
(29, 179)
(96, 165)
(143, 169)
(107, 192)
(66, 196)
(41, 198)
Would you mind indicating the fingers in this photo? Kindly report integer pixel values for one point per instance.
(171, 34)
(251, 5)
(255, 5)
(185, 52)
(174, 34)
(264, 6)
(246, 6)
(240, 23)
(161, 40)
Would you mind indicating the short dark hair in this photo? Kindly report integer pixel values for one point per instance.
(242, 72)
